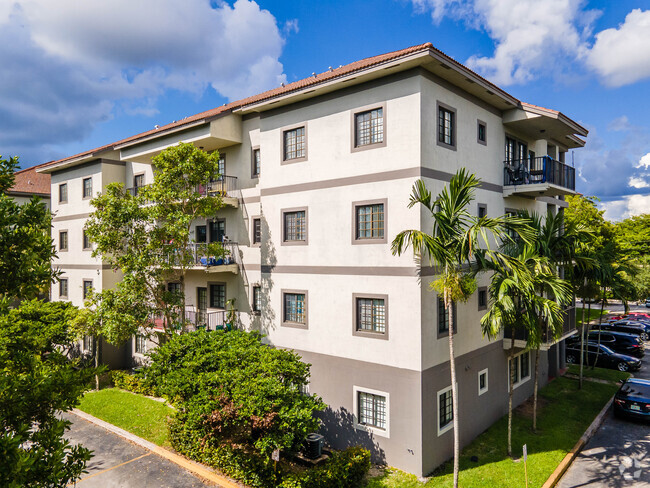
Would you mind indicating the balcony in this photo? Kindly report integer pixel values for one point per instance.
(541, 176)
(197, 320)
(521, 336)
(225, 186)
(230, 262)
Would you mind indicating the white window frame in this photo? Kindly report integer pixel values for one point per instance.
(520, 380)
(450, 425)
(487, 381)
(355, 409)
(135, 342)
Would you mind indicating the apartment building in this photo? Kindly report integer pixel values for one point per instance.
(317, 176)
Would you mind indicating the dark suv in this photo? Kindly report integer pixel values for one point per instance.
(626, 326)
(620, 342)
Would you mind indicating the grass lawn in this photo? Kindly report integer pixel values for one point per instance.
(612, 375)
(565, 414)
(137, 414)
(591, 317)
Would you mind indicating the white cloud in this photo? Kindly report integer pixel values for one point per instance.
(619, 124)
(636, 182)
(621, 55)
(628, 206)
(73, 63)
(529, 35)
(644, 162)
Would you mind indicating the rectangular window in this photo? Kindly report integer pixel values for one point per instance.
(88, 344)
(257, 231)
(369, 221)
(482, 381)
(294, 146)
(443, 318)
(369, 127)
(481, 132)
(218, 295)
(87, 288)
(446, 126)
(371, 410)
(217, 230)
(63, 193)
(514, 370)
(140, 344)
(138, 182)
(87, 187)
(201, 233)
(482, 210)
(524, 361)
(63, 240)
(174, 288)
(86, 242)
(295, 226)
(445, 410)
(63, 288)
(256, 163)
(202, 298)
(294, 308)
(371, 315)
(257, 298)
(482, 298)
(520, 368)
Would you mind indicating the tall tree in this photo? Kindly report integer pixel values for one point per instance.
(26, 249)
(450, 246)
(146, 235)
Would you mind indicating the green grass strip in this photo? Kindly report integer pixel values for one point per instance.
(137, 414)
(564, 414)
(612, 375)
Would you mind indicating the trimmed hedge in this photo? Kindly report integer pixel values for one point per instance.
(131, 382)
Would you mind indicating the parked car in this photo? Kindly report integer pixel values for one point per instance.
(639, 315)
(620, 342)
(633, 399)
(647, 302)
(606, 357)
(628, 326)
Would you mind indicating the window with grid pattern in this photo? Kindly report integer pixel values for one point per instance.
(445, 126)
(63, 287)
(294, 226)
(63, 240)
(86, 241)
(257, 231)
(140, 344)
(294, 143)
(294, 308)
(174, 288)
(88, 343)
(63, 193)
(514, 370)
(257, 298)
(371, 315)
(218, 295)
(446, 414)
(202, 298)
(372, 410)
(370, 221)
(138, 182)
(369, 127)
(256, 162)
(87, 288)
(524, 360)
(443, 316)
(87, 187)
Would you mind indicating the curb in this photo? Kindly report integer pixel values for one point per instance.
(573, 453)
(192, 466)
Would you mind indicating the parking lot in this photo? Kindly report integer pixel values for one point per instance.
(619, 453)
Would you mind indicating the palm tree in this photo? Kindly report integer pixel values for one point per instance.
(450, 246)
(517, 300)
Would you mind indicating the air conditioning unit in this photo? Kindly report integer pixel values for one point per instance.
(314, 446)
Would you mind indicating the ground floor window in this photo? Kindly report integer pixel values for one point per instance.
(445, 410)
(217, 295)
(519, 367)
(371, 410)
(88, 344)
(482, 381)
(140, 344)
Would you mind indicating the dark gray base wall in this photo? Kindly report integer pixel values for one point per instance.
(476, 412)
(334, 379)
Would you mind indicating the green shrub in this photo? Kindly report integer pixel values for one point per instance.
(131, 382)
(345, 469)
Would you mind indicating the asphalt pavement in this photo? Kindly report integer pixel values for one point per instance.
(618, 455)
(118, 463)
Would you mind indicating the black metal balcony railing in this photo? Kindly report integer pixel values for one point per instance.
(224, 186)
(568, 326)
(202, 257)
(195, 320)
(543, 169)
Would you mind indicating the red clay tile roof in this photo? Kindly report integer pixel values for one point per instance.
(28, 181)
(281, 90)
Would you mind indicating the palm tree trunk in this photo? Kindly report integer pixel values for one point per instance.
(512, 387)
(454, 392)
(582, 343)
(96, 350)
(600, 321)
(535, 390)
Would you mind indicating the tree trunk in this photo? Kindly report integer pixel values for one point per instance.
(600, 321)
(510, 392)
(96, 351)
(582, 343)
(454, 392)
(535, 390)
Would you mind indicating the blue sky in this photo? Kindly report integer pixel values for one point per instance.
(78, 74)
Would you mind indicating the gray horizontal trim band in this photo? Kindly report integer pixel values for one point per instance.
(95, 267)
(71, 217)
(251, 199)
(554, 201)
(342, 270)
(416, 172)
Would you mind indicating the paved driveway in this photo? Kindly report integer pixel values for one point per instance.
(119, 463)
(618, 455)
